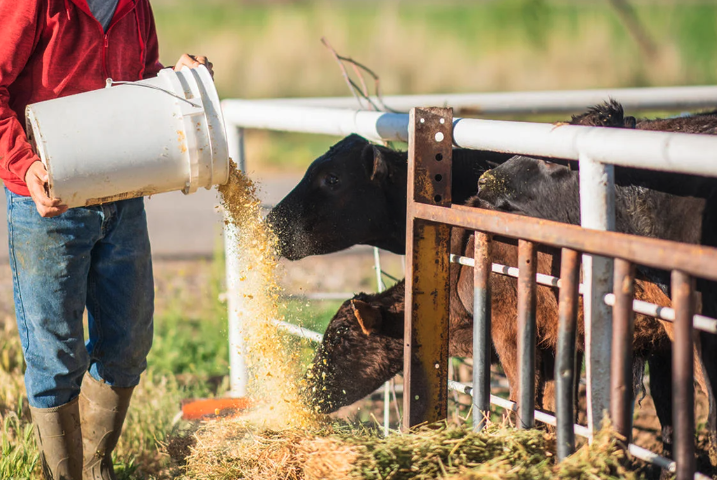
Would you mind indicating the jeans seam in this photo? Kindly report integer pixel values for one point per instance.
(92, 295)
(16, 281)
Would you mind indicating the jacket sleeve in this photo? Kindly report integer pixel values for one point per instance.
(18, 22)
(152, 66)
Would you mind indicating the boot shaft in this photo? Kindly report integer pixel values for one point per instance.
(103, 410)
(59, 438)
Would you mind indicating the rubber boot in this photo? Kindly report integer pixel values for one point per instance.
(59, 438)
(102, 409)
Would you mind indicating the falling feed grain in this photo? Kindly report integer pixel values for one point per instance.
(272, 361)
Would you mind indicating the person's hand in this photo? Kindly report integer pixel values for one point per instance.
(192, 61)
(36, 179)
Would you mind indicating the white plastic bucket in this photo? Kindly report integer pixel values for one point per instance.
(131, 140)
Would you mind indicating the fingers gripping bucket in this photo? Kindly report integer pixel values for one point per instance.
(131, 140)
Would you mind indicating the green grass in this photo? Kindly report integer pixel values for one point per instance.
(18, 454)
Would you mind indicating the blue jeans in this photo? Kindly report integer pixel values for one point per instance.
(95, 257)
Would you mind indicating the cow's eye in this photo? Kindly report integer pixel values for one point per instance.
(331, 180)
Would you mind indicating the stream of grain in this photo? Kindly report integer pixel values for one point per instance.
(272, 361)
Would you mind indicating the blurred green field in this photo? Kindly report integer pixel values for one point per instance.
(274, 50)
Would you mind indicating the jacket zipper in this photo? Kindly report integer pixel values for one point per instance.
(104, 55)
(106, 40)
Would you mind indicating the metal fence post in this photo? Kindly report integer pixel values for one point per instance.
(237, 365)
(566, 371)
(597, 211)
(527, 264)
(621, 401)
(386, 386)
(481, 329)
(683, 376)
(430, 149)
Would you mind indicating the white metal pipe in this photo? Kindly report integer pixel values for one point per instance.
(597, 211)
(560, 101)
(386, 393)
(326, 296)
(299, 331)
(238, 376)
(700, 322)
(677, 152)
(376, 126)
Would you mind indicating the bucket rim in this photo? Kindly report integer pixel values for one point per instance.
(208, 91)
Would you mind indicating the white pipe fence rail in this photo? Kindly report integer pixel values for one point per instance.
(596, 149)
(700, 322)
(516, 103)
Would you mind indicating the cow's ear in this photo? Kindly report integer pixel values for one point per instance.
(369, 317)
(380, 167)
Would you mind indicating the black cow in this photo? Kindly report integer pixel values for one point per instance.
(355, 194)
(529, 186)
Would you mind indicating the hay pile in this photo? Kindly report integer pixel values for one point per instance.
(236, 449)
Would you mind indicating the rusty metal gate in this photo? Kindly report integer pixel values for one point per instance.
(430, 216)
(431, 133)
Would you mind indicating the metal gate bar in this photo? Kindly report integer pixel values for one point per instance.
(697, 260)
(481, 328)
(527, 260)
(430, 153)
(566, 371)
(621, 400)
(683, 376)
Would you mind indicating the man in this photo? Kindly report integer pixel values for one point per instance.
(64, 261)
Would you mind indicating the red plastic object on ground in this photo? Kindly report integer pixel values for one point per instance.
(209, 408)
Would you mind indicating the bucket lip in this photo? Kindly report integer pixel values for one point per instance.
(210, 90)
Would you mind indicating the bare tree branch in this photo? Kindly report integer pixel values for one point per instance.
(345, 74)
(635, 28)
(360, 92)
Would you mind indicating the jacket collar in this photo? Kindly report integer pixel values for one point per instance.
(123, 8)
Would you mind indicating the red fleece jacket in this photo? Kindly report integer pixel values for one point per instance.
(54, 48)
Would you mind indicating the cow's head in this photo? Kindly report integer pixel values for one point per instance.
(362, 349)
(347, 197)
(532, 187)
(607, 114)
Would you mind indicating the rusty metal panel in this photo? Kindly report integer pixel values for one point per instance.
(527, 266)
(621, 365)
(566, 368)
(697, 260)
(481, 329)
(427, 279)
(683, 393)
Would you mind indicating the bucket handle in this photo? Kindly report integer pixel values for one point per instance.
(109, 83)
